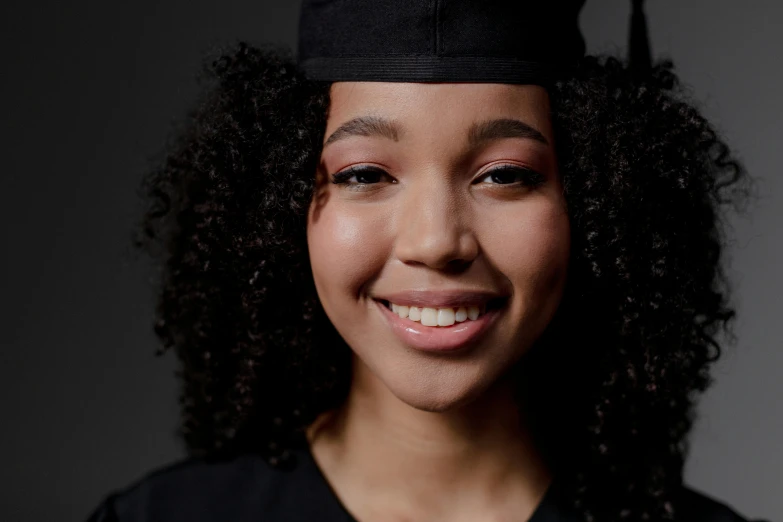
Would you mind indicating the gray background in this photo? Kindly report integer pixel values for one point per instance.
(89, 91)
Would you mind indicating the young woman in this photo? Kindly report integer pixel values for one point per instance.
(469, 285)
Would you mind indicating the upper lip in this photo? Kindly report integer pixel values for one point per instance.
(440, 298)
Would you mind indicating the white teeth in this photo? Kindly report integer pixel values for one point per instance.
(439, 316)
(445, 316)
(429, 317)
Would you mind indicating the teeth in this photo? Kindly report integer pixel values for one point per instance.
(438, 316)
(429, 316)
(446, 317)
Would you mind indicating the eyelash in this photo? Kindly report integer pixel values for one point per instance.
(342, 177)
(530, 177)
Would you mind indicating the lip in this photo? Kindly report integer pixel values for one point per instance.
(439, 339)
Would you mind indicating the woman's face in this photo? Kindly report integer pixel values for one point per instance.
(440, 201)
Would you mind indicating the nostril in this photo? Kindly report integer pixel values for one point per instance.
(456, 266)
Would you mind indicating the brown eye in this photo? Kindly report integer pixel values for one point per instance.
(366, 175)
(513, 175)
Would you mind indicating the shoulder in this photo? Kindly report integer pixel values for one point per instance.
(194, 490)
(698, 506)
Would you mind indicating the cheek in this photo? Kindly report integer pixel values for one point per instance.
(532, 248)
(347, 248)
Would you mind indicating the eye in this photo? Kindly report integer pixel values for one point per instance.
(363, 175)
(513, 175)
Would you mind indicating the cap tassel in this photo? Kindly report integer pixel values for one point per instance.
(639, 54)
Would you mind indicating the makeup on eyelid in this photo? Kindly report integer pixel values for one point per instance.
(504, 174)
(395, 156)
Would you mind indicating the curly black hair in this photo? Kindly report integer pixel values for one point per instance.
(615, 374)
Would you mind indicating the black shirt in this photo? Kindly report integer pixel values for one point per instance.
(247, 489)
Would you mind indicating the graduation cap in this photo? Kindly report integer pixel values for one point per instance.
(492, 41)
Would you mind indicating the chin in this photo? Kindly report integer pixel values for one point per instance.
(437, 394)
(433, 404)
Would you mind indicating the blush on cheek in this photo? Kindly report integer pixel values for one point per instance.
(346, 250)
(536, 261)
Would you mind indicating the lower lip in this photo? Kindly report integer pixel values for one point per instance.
(441, 339)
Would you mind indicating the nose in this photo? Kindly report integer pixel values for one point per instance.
(433, 229)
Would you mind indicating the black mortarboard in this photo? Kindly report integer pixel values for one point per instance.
(503, 41)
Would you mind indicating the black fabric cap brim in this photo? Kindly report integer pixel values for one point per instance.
(428, 68)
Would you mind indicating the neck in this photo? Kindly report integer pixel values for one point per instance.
(384, 456)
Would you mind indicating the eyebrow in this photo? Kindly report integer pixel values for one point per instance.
(366, 126)
(478, 133)
(503, 128)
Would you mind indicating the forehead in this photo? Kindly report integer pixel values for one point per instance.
(426, 106)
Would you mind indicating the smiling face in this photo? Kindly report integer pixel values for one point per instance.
(438, 237)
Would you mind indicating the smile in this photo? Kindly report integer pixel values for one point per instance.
(431, 316)
(437, 329)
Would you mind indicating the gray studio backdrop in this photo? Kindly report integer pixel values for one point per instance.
(89, 91)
